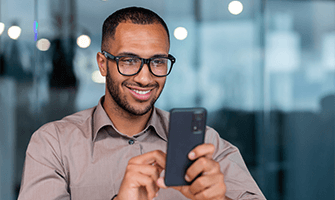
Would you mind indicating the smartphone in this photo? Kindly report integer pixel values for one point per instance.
(187, 128)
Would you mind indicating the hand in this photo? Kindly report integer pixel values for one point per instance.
(210, 185)
(142, 173)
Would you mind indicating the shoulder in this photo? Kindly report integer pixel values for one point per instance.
(212, 136)
(77, 119)
(77, 122)
(52, 140)
(222, 146)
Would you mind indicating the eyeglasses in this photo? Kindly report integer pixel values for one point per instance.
(132, 65)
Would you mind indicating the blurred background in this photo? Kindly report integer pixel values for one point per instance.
(264, 69)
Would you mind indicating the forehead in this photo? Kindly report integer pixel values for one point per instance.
(133, 37)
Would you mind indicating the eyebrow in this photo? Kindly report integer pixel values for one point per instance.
(132, 54)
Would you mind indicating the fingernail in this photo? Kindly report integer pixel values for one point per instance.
(191, 155)
(156, 194)
(187, 178)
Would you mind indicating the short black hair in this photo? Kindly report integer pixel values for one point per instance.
(135, 15)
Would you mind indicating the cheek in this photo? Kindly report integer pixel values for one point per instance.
(162, 83)
(115, 77)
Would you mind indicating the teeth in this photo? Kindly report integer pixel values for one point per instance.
(141, 92)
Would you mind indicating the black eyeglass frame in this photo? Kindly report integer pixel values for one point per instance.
(143, 61)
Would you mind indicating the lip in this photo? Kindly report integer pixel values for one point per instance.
(140, 97)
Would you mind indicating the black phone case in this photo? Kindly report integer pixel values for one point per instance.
(186, 131)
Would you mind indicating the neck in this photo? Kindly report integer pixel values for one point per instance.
(124, 121)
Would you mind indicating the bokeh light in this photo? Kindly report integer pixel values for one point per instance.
(14, 32)
(180, 33)
(83, 41)
(235, 7)
(43, 44)
(97, 78)
(2, 27)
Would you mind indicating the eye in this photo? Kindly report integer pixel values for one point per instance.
(129, 60)
(159, 61)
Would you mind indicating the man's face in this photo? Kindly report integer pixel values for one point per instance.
(136, 94)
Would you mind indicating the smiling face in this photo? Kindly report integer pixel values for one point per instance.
(136, 94)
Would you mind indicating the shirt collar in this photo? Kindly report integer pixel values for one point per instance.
(100, 119)
(158, 120)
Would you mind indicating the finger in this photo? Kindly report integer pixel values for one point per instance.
(204, 182)
(160, 168)
(216, 191)
(150, 186)
(161, 184)
(137, 180)
(203, 150)
(202, 166)
(183, 189)
(149, 170)
(156, 157)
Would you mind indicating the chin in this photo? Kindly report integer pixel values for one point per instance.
(141, 109)
(139, 112)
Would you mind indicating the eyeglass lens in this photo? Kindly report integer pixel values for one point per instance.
(131, 65)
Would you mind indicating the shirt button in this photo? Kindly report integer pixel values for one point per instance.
(131, 142)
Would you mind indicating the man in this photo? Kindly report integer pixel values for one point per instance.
(116, 149)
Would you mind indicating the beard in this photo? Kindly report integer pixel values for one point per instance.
(122, 102)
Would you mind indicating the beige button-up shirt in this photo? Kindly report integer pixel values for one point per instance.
(84, 157)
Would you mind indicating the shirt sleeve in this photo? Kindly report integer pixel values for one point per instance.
(44, 176)
(238, 180)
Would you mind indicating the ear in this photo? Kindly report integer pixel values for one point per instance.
(101, 60)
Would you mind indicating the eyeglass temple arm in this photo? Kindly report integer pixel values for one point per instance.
(107, 55)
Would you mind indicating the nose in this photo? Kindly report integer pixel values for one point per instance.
(144, 77)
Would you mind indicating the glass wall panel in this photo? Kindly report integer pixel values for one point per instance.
(299, 82)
